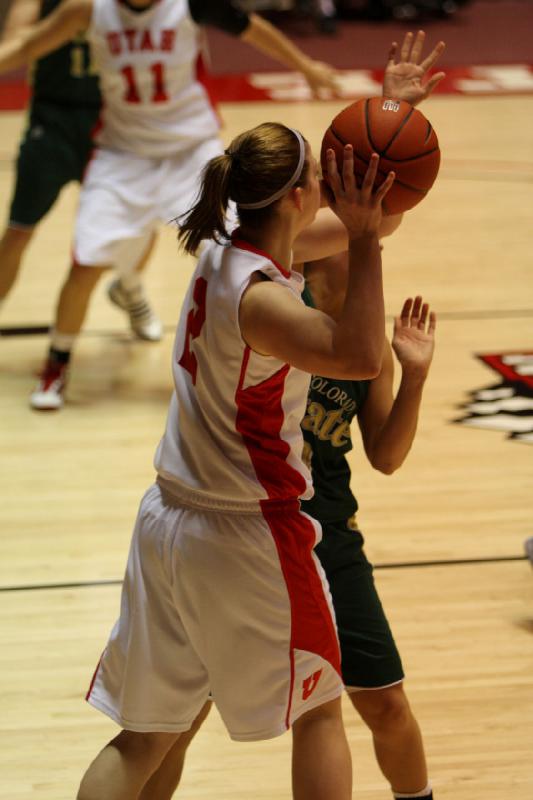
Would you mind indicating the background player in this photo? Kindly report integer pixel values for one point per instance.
(57, 142)
(223, 592)
(158, 129)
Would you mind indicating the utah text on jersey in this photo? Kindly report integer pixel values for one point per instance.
(508, 405)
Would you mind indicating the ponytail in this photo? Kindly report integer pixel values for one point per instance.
(206, 219)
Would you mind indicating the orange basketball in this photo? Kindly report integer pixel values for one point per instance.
(401, 136)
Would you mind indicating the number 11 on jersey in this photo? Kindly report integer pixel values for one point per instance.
(159, 91)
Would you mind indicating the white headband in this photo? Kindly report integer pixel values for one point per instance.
(295, 177)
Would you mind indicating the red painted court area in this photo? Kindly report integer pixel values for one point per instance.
(290, 87)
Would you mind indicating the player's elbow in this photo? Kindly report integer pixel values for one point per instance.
(385, 466)
(362, 367)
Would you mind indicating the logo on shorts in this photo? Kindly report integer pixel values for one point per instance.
(508, 405)
(390, 105)
(309, 684)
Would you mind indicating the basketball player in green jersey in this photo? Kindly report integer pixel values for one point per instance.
(371, 665)
(57, 141)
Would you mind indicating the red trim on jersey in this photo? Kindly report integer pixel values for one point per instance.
(94, 677)
(241, 244)
(312, 626)
(203, 77)
(259, 420)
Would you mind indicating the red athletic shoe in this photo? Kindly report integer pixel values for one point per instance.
(48, 395)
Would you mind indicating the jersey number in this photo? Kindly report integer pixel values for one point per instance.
(195, 321)
(159, 92)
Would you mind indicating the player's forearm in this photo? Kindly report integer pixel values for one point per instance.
(71, 17)
(21, 14)
(360, 332)
(394, 441)
(14, 53)
(269, 40)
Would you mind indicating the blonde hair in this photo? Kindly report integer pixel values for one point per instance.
(256, 165)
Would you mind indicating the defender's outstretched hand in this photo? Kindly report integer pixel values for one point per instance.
(358, 209)
(322, 79)
(404, 79)
(414, 336)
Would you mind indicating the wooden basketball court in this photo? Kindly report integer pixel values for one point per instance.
(446, 532)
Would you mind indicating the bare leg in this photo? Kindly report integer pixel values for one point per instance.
(167, 776)
(12, 246)
(74, 298)
(397, 738)
(122, 768)
(321, 763)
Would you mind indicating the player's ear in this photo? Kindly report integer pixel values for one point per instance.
(298, 197)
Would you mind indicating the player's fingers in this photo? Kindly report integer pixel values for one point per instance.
(406, 311)
(428, 62)
(415, 312)
(385, 186)
(370, 175)
(423, 317)
(432, 322)
(391, 58)
(416, 50)
(333, 173)
(348, 177)
(433, 81)
(406, 47)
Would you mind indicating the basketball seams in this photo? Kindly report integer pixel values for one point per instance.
(368, 131)
(411, 158)
(398, 130)
(356, 154)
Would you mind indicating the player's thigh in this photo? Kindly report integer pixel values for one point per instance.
(117, 211)
(258, 616)
(370, 657)
(48, 159)
(150, 677)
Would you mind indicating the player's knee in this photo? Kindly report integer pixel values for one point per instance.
(385, 711)
(85, 277)
(16, 239)
(149, 748)
(327, 713)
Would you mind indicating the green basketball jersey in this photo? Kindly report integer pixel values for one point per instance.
(331, 406)
(64, 76)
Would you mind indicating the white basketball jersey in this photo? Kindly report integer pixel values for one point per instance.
(153, 105)
(233, 436)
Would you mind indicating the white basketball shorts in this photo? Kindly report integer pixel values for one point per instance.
(232, 604)
(124, 196)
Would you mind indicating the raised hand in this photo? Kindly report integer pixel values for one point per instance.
(358, 209)
(323, 79)
(406, 79)
(414, 337)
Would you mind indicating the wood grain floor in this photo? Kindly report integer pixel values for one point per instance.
(71, 483)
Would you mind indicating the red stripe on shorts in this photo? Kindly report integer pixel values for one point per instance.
(312, 628)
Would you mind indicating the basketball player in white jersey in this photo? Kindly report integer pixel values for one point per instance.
(223, 593)
(157, 131)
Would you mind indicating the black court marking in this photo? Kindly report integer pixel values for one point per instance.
(24, 330)
(33, 587)
(447, 562)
